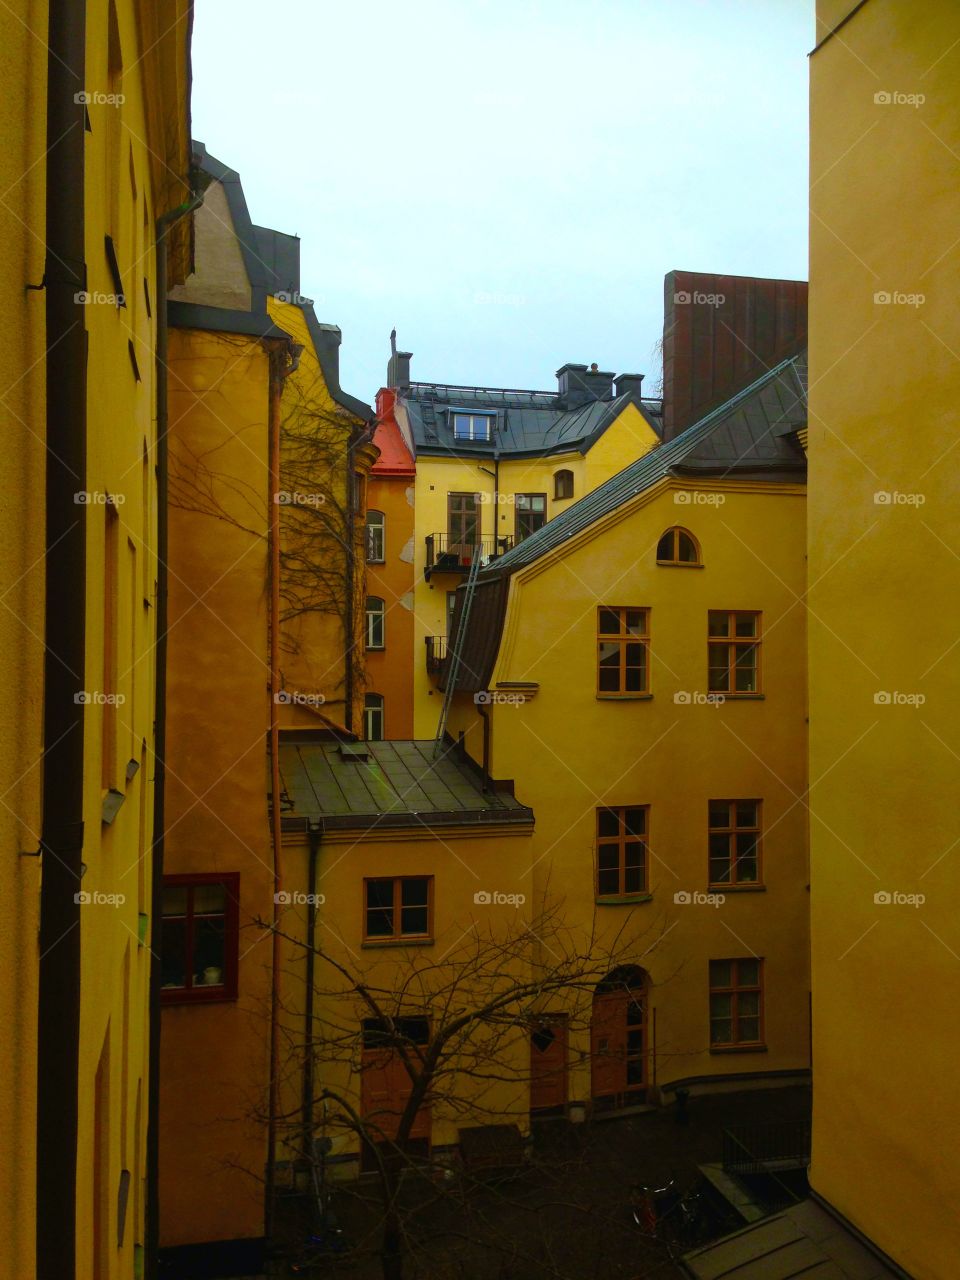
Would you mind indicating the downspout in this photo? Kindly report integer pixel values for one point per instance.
(163, 225)
(58, 1039)
(313, 836)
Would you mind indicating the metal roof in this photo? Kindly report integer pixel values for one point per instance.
(804, 1241)
(752, 433)
(527, 422)
(361, 786)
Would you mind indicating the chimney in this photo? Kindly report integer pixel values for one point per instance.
(577, 385)
(627, 383)
(398, 367)
(720, 333)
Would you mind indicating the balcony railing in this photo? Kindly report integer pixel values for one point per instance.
(448, 555)
(436, 654)
(766, 1148)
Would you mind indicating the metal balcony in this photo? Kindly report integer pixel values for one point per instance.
(766, 1148)
(445, 555)
(436, 654)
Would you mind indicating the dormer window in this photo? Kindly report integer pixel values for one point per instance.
(679, 547)
(472, 426)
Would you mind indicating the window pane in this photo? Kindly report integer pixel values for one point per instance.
(748, 1004)
(608, 857)
(635, 680)
(665, 547)
(633, 880)
(609, 680)
(721, 1006)
(717, 623)
(379, 893)
(746, 624)
(746, 813)
(687, 552)
(413, 892)
(608, 822)
(748, 973)
(175, 901)
(609, 654)
(719, 871)
(637, 621)
(608, 883)
(209, 898)
(720, 973)
(719, 813)
(718, 679)
(635, 821)
(749, 1030)
(209, 951)
(721, 1031)
(380, 922)
(413, 920)
(609, 622)
(173, 958)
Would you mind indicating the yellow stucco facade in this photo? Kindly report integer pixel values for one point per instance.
(884, 620)
(670, 751)
(628, 437)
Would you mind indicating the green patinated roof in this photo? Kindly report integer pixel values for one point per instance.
(398, 784)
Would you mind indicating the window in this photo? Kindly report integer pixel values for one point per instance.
(463, 522)
(733, 642)
(621, 851)
(398, 908)
(472, 426)
(623, 640)
(200, 937)
(734, 842)
(736, 1003)
(531, 509)
(562, 484)
(376, 537)
(679, 547)
(373, 717)
(451, 610)
(375, 622)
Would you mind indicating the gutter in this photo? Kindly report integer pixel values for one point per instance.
(61, 841)
(152, 1207)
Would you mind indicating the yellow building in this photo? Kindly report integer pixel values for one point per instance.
(492, 466)
(636, 668)
(884, 620)
(268, 465)
(95, 161)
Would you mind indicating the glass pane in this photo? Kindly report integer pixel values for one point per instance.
(746, 813)
(608, 822)
(175, 901)
(748, 1005)
(746, 870)
(413, 920)
(380, 922)
(686, 549)
(609, 653)
(209, 898)
(636, 654)
(633, 879)
(635, 1071)
(721, 1031)
(635, 679)
(719, 846)
(413, 892)
(749, 1030)
(380, 893)
(609, 681)
(635, 1013)
(635, 821)
(746, 624)
(609, 622)
(717, 623)
(719, 870)
(635, 1041)
(637, 622)
(665, 547)
(721, 973)
(173, 957)
(608, 883)
(608, 857)
(746, 673)
(748, 973)
(209, 951)
(719, 813)
(721, 1006)
(718, 679)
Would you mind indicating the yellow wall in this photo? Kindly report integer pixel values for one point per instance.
(627, 439)
(884, 619)
(22, 141)
(213, 1057)
(568, 752)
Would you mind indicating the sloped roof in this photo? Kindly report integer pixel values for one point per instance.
(753, 434)
(528, 422)
(397, 784)
(395, 459)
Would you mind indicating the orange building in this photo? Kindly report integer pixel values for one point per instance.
(388, 711)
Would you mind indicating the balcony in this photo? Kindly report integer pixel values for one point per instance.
(444, 555)
(436, 654)
(766, 1148)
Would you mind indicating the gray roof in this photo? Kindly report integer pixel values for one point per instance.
(528, 422)
(752, 434)
(393, 784)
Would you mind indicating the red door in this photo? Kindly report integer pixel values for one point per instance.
(618, 1048)
(548, 1065)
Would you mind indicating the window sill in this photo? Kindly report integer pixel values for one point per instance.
(376, 562)
(625, 900)
(675, 564)
(738, 697)
(738, 1048)
(624, 697)
(738, 888)
(373, 943)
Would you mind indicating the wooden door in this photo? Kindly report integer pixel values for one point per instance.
(618, 1048)
(548, 1065)
(463, 525)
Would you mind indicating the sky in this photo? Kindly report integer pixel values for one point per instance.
(506, 182)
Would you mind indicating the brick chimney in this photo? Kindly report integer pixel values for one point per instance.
(720, 333)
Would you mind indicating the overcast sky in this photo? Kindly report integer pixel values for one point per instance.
(507, 181)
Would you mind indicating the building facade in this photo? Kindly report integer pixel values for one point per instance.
(883, 618)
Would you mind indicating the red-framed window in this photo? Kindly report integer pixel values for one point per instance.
(622, 851)
(200, 938)
(736, 1003)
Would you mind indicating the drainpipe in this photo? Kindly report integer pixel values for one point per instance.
(485, 717)
(313, 836)
(164, 223)
(61, 841)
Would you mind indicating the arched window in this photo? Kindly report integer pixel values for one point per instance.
(562, 484)
(373, 717)
(375, 623)
(376, 537)
(679, 547)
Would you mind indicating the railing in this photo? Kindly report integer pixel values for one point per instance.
(766, 1148)
(436, 654)
(448, 555)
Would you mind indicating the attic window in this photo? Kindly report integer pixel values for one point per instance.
(354, 751)
(678, 547)
(562, 484)
(472, 426)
